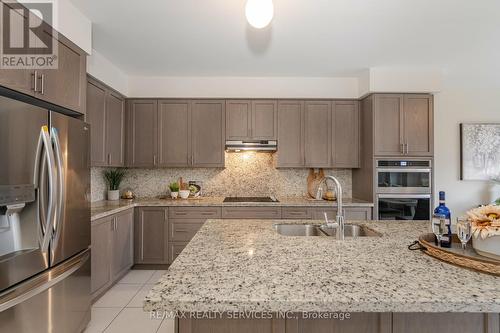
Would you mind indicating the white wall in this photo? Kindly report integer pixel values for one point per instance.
(464, 98)
(103, 69)
(243, 87)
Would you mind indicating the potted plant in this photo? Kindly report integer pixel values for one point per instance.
(114, 179)
(174, 190)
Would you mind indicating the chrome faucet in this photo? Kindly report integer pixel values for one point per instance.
(339, 221)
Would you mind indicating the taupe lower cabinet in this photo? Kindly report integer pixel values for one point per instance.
(368, 322)
(112, 250)
(64, 86)
(106, 115)
(175, 133)
(151, 235)
(403, 124)
(184, 223)
(318, 134)
(251, 120)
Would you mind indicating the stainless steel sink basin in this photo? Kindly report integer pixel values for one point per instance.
(351, 230)
(298, 230)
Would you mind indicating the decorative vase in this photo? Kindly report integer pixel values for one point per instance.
(488, 247)
(174, 195)
(113, 195)
(184, 194)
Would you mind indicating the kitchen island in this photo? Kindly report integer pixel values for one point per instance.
(245, 267)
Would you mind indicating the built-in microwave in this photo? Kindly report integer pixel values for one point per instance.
(403, 176)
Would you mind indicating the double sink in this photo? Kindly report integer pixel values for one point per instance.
(351, 230)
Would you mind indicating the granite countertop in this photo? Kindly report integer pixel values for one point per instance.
(244, 265)
(105, 208)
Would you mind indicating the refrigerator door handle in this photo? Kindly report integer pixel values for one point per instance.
(41, 283)
(60, 187)
(45, 230)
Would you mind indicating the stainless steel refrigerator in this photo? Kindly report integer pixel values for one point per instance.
(44, 220)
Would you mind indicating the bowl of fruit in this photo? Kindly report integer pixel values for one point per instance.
(486, 230)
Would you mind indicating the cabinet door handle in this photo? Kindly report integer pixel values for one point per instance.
(142, 241)
(154, 159)
(42, 88)
(35, 81)
(192, 159)
(109, 159)
(407, 148)
(402, 148)
(181, 230)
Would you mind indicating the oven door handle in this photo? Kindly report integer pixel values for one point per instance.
(427, 170)
(404, 196)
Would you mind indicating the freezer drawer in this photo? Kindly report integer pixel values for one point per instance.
(57, 300)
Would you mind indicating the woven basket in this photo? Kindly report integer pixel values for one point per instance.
(455, 255)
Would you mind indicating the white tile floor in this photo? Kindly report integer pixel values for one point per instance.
(120, 309)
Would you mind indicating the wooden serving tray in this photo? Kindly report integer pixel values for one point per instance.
(455, 255)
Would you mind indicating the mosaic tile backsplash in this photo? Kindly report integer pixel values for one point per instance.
(245, 174)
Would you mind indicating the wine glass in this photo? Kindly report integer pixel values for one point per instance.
(438, 226)
(464, 231)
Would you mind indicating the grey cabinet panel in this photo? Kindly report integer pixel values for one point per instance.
(442, 322)
(238, 119)
(290, 134)
(21, 80)
(96, 117)
(296, 213)
(151, 235)
(345, 128)
(122, 243)
(174, 249)
(66, 85)
(115, 130)
(112, 250)
(182, 230)
(174, 133)
(418, 125)
(388, 127)
(264, 120)
(251, 212)
(100, 256)
(143, 137)
(208, 127)
(317, 131)
(195, 213)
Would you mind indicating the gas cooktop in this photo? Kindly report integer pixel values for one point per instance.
(250, 199)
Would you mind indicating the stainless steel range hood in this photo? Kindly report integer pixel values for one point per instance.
(252, 145)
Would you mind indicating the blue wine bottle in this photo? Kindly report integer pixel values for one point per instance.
(441, 211)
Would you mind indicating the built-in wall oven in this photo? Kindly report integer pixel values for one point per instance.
(403, 189)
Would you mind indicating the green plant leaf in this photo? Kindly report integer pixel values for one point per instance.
(114, 178)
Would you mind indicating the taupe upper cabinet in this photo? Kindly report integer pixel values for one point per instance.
(388, 131)
(174, 133)
(418, 123)
(106, 115)
(345, 134)
(318, 134)
(208, 128)
(142, 139)
(96, 117)
(403, 125)
(317, 131)
(115, 129)
(251, 120)
(64, 86)
(290, 134)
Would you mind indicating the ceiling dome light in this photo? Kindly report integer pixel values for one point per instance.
(259, 13)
